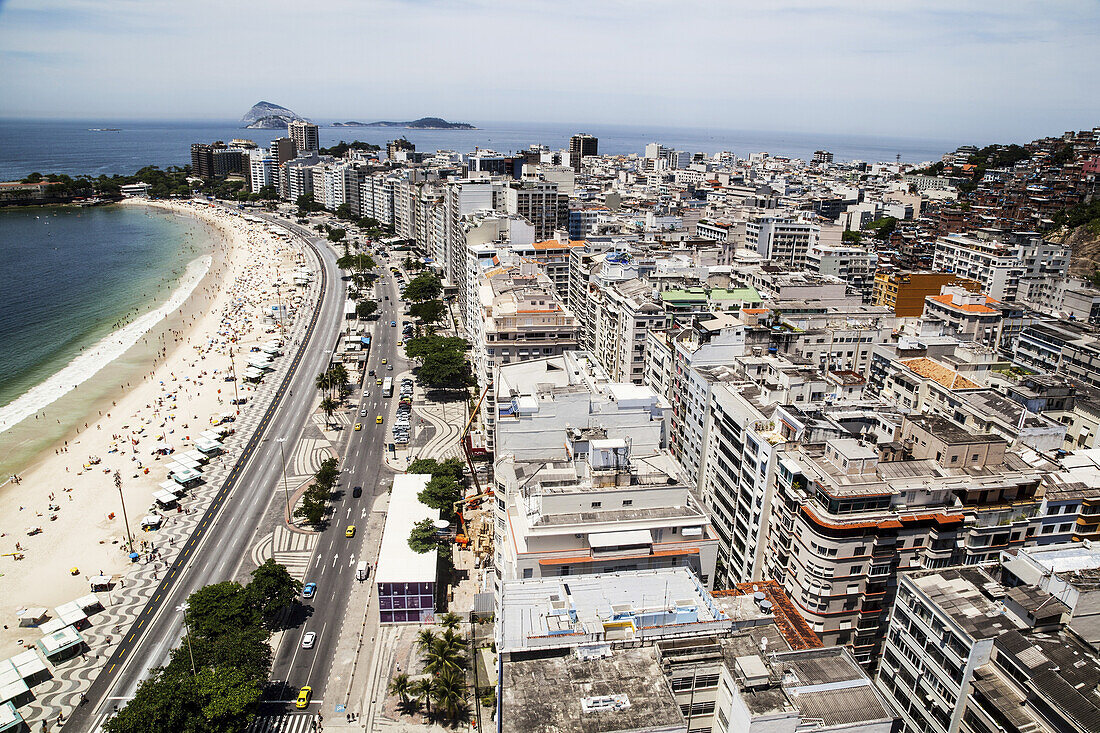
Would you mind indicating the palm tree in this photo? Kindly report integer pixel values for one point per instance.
(425, 639)
(450, 620)
(338, 376)
(422, 690)
(449, 693)
(399, 686)
(323, 382)
(444, 656)
(328, 406)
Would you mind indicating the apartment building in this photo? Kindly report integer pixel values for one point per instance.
(966, 315)
(965, 652)
(1068, 350)
(305, 135)
(552, 255)
(782, 240)
(262, 170)
(519, 317)
(599, 508)
(849, 517)
(655, 652)
(854, 265)
(1017, 267)
(540, 203)
(904, 292)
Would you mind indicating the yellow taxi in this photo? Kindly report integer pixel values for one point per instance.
(303, 697)
(378, 419)
(400, 343)
(383, 361)
(358, 426)
(379, 382)
(350, 531)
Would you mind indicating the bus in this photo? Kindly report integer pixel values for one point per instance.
(387, 387)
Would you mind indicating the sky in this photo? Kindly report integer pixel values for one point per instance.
(1006, 70)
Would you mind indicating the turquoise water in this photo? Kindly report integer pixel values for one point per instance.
(73, 276)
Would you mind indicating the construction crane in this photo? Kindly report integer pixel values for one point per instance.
(466, 432)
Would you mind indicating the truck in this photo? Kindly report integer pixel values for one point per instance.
(387, 387)
(362, 570)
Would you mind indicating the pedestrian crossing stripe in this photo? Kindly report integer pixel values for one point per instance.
(284, 723)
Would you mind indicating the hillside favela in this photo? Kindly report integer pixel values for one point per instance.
(538, 368)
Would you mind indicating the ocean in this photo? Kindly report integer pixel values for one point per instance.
(83, 286)
(74, 147)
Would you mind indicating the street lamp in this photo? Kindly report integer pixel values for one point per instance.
(286, 491)
(182, 608)
(125, 520)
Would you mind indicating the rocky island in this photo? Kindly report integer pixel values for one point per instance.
(424, 123)
(268, 116)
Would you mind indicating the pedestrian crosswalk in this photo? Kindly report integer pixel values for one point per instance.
(293, 549)
(283, 723)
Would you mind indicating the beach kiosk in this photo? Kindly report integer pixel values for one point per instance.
(252, 374)
(71, 614)
(209, 447)
(100, 583)
(10, 719)
(406, 579)
(185, 477)
(151, 521)
(13, 688)
(61, 645)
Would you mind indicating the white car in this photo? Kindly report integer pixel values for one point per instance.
(309, 639)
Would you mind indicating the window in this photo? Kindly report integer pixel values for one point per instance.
(628, 502)
(597, 504)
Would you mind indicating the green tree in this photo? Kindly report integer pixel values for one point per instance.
(323, 382)
(452, 467)
(422, 690)
(335, 235)
(339, 375)
(343, 211)
(328, 406)
(328, 473)
(243, 648)
(851, 237)
(441, 492)
(422, 346)
(430, 311)
(365, 308)
(399, 685)
(425, 638)
(445, 370)
(215, 608)
(449, 692)
(306, 204)
(161, 702)
(450, 620)
(227, 697)
(272, 589)
(424, 537)
(423, 287)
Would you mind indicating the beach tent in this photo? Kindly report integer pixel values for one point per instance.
(253, 374)
(185, 461)
(163, 448)
(100, 582)
(211, 435)
(32, 616)
(71, 614)
(61, 645)
(168, 485)
(90, 603)
(151, 521)
(272, 349)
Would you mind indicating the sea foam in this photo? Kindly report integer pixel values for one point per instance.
(110, 347)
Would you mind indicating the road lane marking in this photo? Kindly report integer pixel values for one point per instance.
(334, 559)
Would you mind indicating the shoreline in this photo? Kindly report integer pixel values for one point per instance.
(76, 504)
(27, 442)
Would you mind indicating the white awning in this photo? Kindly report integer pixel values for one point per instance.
(625, 538)
(183, 475)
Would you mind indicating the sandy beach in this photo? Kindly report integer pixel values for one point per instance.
(70, 492)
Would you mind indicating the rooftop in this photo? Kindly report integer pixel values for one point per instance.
(964, 595)
(397, 562)
(549, 694)
(560, 612)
